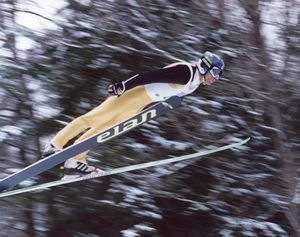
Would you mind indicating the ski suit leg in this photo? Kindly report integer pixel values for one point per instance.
(121, 117)
(112, 111)
(83, 123)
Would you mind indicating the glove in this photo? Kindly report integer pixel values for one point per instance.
(117, 88)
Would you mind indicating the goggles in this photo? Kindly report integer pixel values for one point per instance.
(214, 71)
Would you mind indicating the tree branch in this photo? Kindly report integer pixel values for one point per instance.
(36, 14)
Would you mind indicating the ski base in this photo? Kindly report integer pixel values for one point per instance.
(44, 186)
(47, 163)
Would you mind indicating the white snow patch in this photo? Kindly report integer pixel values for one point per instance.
(24, 43)
(171, 144)
(148, 214)
(129, 233)
(296, 198)
(46, 8)
(196, 110)
(137, 146)
(133, 3)
(270, 128)
(250, 225)
(254, 177)
(144, 227)
(240, 191)
(8, 130)
(212, 126)
(197, 206)
(107, 202)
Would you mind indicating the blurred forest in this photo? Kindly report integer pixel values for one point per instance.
(56, 62)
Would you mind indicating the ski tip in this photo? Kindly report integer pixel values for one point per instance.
(245, 140)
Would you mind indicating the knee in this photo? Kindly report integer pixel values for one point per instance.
(83, 119)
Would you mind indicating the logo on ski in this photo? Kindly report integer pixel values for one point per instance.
(122, 169)
(123, 127)
(40, 166)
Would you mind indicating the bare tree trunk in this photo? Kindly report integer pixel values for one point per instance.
(272, 111)
(29, 220)
(25, 111)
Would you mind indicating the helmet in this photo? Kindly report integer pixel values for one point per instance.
(212, 63)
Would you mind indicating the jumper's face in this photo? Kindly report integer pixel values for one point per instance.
(209, 78)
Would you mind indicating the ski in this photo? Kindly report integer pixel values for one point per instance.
(44, 186)
(40, 166)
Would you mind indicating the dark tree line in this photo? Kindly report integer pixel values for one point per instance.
(94, 43)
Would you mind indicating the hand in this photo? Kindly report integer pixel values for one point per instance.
(117, 88)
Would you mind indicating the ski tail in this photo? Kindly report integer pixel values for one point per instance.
(44, 186)
(137, 120)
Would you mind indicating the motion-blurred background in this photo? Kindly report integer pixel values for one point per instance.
(57, 58)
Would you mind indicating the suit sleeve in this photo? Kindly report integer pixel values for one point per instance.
(179, 74)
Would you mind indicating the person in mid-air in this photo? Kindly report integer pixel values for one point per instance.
(130, 97)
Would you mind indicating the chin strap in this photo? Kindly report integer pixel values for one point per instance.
(203, 81)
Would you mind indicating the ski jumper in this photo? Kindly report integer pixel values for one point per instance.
(141, 90)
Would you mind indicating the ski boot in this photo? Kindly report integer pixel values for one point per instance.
(49, 150)
(74, 169)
